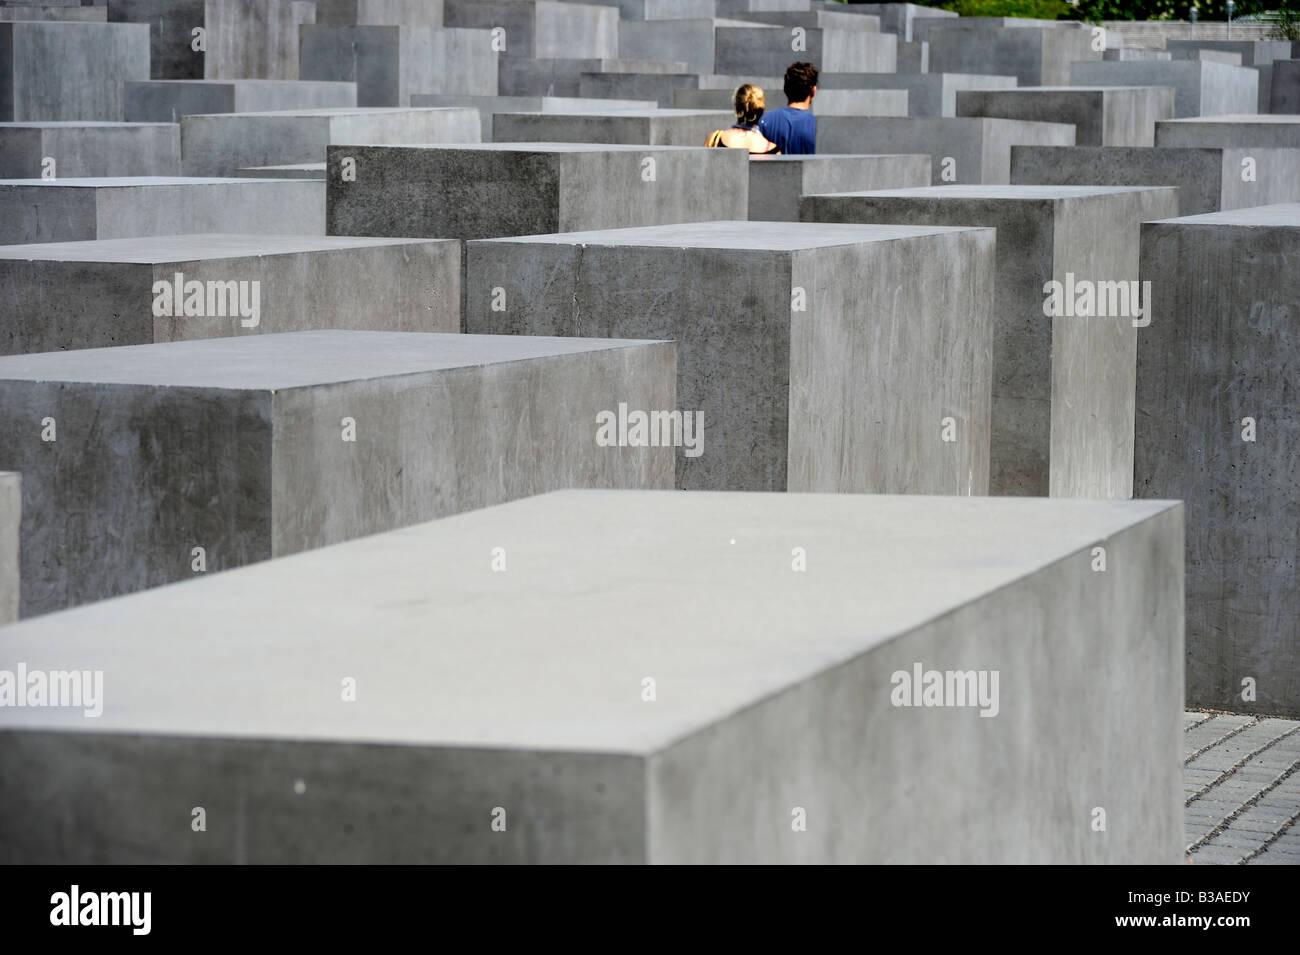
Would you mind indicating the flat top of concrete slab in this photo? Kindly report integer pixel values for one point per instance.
(192, 247)
(1283, 215)
(292, 360)
(1065, 89)
(524, 147)
(739, 235)
(604, 589)
(1279, 119)
(80, 124)
(814, 157)
(329, 111)
(123, 182)
(993, 192)
(658, 113)
(304, 166)
(244, 82)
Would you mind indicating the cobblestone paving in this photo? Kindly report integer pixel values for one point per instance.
(1242, 784)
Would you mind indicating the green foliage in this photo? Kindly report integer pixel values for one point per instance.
(1033, 9)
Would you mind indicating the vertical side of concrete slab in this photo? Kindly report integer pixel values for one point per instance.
(1063, 742)
(11, 511)
(201, 461)
(45, 309)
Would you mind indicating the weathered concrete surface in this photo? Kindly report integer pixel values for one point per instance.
(1284, 90)
(349, 13)
(1102, 116)
(464, 710)
(663, 87)
(541, 28)
(652, 127)
(1063, 387)
(11, 512)
(928, 94)
(104, 293)
(221, 143)
(688, 41)
(560, 77)
(489, 106)
(1252, 52)
(1222, 348)
(503, 189)
(93, 61)
(846, 102)
(72, 210)
(1201, 88)
(767, 50)
(244, 39)
(1281, 132)
(898, 17)
(776, 183)
(979, 149)
(47, 11)
(1036, 56)
(660, 9)
(781, 331)
(166, 101)
(389, 63)
(913, 57)
(238, 445)
(1208, 179)
(81, 150)
(301, 170)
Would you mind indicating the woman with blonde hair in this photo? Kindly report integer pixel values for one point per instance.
(750, 103)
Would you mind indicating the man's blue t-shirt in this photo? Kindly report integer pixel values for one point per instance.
(793, 130)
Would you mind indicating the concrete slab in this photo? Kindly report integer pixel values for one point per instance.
(928, 94)
(1102, 116)
(1035, 55)
(541, 28)
(897, 18)
(453, 727)
(1208, 180)
(87, 150)
(962, 150)
(350, 13)
(488, 106)
(768, 50)
(46, 11)
(662, 87)
(560, 77)
(219, 144)
(913, 57)
(501, 189)
(244, 40)
(690, 41)
(389, 63)
(779, 328)
(256, 447)
(166, 101)
(776, 183)
(1221, 349)
(1278, 131)
(1252, 52)
(127, 291)
(11, 512)
(660, 9)
(1201, 88)
(301, 170)
(853, 102)
(653, 127)
(1063, 385)
(94, 60)
(1284, 89)
(73, 210)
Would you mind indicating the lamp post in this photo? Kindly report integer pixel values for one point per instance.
(1231, 5)
(1192, 15)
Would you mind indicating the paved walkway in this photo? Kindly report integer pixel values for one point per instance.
(1242, 782)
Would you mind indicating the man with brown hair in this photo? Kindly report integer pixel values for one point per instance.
(794, 127)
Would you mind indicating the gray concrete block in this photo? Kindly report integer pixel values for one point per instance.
(72, 210)
(1284, 88)
(72, 295)
(928, 94)
(862, 102)
(819, 17)
(772, 696)
(541, 28)
(389, 63)
(1209, 56)
(166, 101)
(1221, 348)
(1252, 52)
(351, 13)
(663, 87)
(776, 183)
(728, 7)
(489, 106)
(1102, 116)
(1230, 132)
(93, 61)
(767, 50)
(897, 18)
(1201, 88)
(560, 77)
(302, 170)
(661, 9)
(688, 41)
(913, 57)
(88, 150)
(244, 39)
(472, 192)
(1063, 386)
(219, 144)
(1135, 53)
(45, 11)
(11, 512)
(240, 445)
(651, 127)
(1208, 179)
(777, 325)
(1036, 56)
(962, 149)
